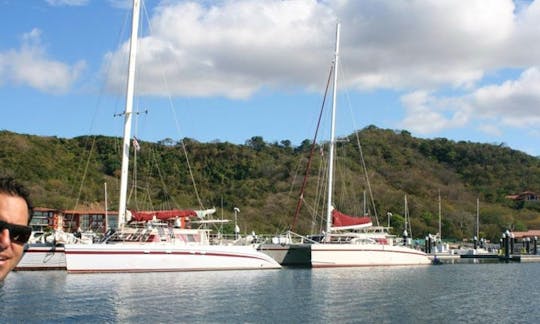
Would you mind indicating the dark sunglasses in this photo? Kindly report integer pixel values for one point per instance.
(17, 233)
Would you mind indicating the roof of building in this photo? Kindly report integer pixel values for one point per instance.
(530, 233)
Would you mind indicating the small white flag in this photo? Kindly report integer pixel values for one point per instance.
(136, 145)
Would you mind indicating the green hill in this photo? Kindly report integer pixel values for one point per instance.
(264, 179)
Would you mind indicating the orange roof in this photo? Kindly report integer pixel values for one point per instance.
(530, 233)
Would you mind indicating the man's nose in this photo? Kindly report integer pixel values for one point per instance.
(4, 239)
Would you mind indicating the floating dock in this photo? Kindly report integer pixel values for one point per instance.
(464, 258)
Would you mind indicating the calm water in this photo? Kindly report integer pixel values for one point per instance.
(450, 293)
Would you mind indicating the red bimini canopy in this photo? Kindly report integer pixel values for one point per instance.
(140, 216)
(342, 220)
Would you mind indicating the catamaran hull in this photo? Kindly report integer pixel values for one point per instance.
(364, 255)
(293, 255)
(155, 257)
(42, 257)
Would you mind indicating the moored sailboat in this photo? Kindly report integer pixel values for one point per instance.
(343, 243)
(146, 242)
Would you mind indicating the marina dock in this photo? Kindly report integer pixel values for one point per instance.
(467, 258)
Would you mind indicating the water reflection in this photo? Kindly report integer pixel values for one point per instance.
(479, 293)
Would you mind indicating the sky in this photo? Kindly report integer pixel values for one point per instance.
(229, 70)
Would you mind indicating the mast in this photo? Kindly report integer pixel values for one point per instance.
(440, 230)
(106, 208)
(365, 205)
(478, 218)
(332, 141)
(406, 213)
(128, 115)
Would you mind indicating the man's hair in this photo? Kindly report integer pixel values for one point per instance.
(11, 187)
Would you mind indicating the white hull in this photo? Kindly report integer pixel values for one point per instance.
(362, 255)
(153, 257)
(42, 257)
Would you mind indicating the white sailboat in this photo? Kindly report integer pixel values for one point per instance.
(156, 246)
(344, 244)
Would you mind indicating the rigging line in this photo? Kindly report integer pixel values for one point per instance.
(93, 120)
(149, 195)
(177, 124)
(162, 180)
(291, 188)
(191, 175)
(85, 172)
(134, 176)
(367, 177)
(349, 195)
(318, 191)
(313, 211)
(323, 167)
(313, 145)
(361, 154)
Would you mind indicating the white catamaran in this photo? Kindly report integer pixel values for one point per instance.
(347, 240)
(156, 245)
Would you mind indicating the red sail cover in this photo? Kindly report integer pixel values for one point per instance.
(161, 214)
(339, 219)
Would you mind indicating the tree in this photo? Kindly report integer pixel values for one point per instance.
(256, 142)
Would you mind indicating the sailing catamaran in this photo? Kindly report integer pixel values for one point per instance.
(345, 243)
(148, 242)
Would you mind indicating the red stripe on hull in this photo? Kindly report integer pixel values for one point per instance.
(163, 270)
(361, 250)
(162, 253)
(365, 265)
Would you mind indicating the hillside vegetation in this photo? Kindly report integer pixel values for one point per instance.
(264, 179)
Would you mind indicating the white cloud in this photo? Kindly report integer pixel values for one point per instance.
(30, 66)
(490, 129)
(236, 48)
(512, 103)
(58, 3)
(426, 114)
(515, 102)
(233, 48)
(408, 44)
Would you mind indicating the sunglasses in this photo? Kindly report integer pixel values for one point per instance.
(17, 233)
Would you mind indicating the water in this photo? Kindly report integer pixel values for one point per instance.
(450, 293)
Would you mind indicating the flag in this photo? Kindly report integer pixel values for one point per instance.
(136, 145)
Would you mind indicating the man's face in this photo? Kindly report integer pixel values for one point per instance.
(15, 211)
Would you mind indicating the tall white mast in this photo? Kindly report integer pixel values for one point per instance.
(128, 115)
(332, 140)
(440, 229)
(477, 218)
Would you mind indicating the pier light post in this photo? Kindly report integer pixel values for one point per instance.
(512, 242)
(405, 235)
(504, 243)
(535, 248)
(506, 238)
(475, 242)
(236, 228)
(389, 215)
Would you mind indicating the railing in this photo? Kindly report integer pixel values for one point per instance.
(250, 239)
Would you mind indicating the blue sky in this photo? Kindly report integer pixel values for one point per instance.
(229, 70)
